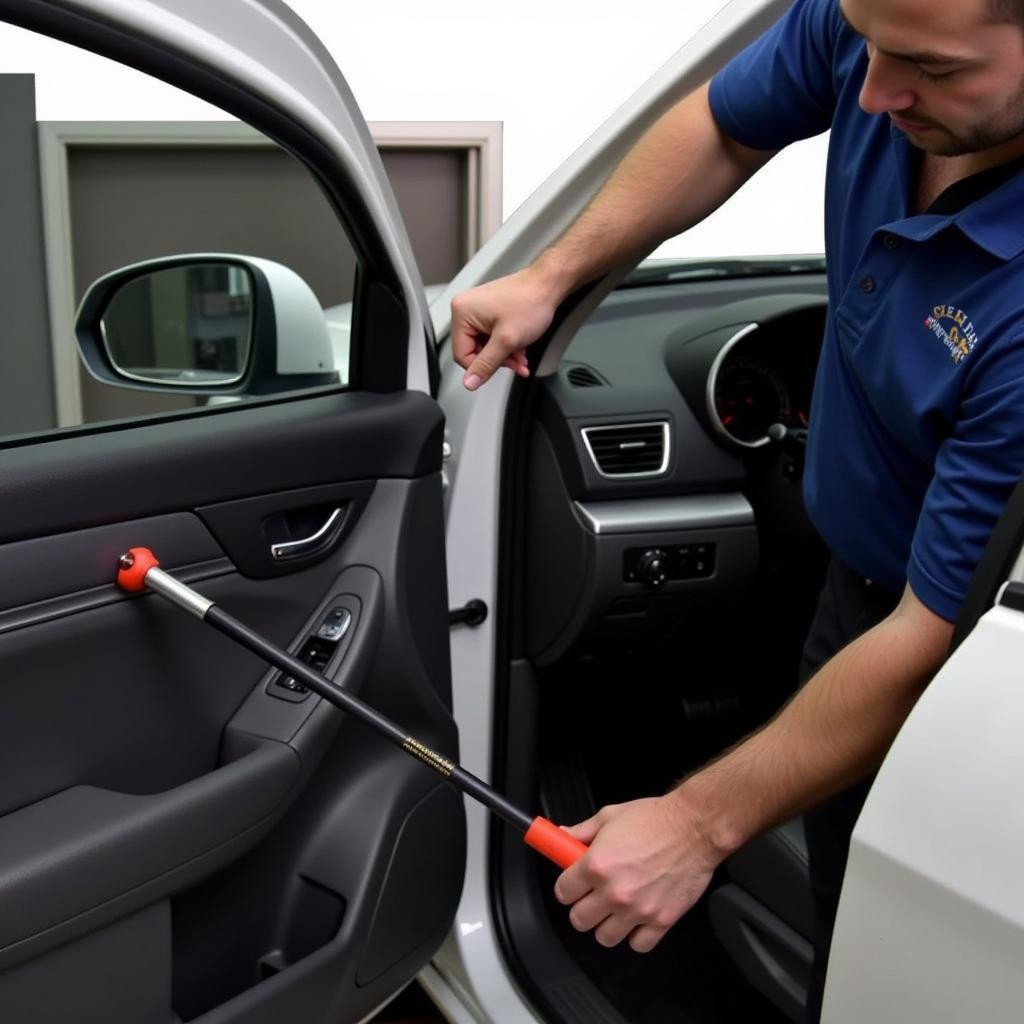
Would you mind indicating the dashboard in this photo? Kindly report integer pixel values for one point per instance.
(666, 455)
(759, 380)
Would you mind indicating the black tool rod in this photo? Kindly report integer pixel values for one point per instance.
(463, 780)
(479, 790)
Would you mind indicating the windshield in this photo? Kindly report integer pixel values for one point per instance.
(670, 271)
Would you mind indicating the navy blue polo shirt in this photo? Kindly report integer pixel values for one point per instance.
(917, 422)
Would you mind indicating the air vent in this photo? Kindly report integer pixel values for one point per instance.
(628, 449)
(581, 376)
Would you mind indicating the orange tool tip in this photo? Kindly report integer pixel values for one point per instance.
(554, 843)
(134, 564)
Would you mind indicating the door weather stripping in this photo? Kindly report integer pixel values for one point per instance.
(139, 569)
(307, 545)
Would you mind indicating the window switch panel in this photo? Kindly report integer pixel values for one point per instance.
(335, 625)
(316, 651)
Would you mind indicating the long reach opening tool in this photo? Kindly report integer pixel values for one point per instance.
(140, 569)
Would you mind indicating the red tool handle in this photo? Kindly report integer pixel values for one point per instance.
(554, 843)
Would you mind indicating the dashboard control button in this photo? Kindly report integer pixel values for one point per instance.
(653, 567)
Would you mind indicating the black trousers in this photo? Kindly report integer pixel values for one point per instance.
(849, 606)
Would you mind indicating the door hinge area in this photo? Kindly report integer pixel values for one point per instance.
(472, 613)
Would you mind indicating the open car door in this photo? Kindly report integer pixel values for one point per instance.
(184, 834)
(931, 917)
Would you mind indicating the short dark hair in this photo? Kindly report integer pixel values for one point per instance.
(1007, 10)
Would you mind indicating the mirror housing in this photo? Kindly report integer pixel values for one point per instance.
(284, 347)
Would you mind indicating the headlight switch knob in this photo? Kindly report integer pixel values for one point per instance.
(653, 567)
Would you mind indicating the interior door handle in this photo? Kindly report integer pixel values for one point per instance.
(309, 545)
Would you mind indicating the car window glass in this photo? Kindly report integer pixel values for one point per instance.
(88, 197)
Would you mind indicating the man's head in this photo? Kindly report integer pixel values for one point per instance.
(949, 73)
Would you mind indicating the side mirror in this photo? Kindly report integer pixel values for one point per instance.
(205, 324)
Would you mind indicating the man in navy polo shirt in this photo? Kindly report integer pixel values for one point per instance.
(917, 425)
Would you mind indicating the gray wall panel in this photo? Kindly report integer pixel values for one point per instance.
(430, 186)
(26, 374)
(135, 203)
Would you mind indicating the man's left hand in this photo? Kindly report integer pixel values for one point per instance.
(648, 864)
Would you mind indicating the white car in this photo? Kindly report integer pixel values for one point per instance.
(186, 835)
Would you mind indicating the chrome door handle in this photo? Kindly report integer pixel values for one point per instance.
(308, 545)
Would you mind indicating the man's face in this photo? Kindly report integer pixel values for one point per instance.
(950, 77)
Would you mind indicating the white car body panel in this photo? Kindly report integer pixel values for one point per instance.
(931, 920)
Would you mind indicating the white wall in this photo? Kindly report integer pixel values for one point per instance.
(550, 70)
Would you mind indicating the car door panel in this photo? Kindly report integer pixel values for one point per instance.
(84, 847)
(185, 839)
(48, 576)
(113, 475)
(158, 794)
(130, 957)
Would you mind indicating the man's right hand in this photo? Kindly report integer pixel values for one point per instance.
(683, 167)
(494, 323)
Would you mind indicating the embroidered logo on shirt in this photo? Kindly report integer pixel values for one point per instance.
(958, 335)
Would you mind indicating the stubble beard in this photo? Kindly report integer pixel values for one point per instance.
(1000, 128)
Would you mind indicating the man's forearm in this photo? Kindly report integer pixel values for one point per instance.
(834, 732)
(681, 170)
